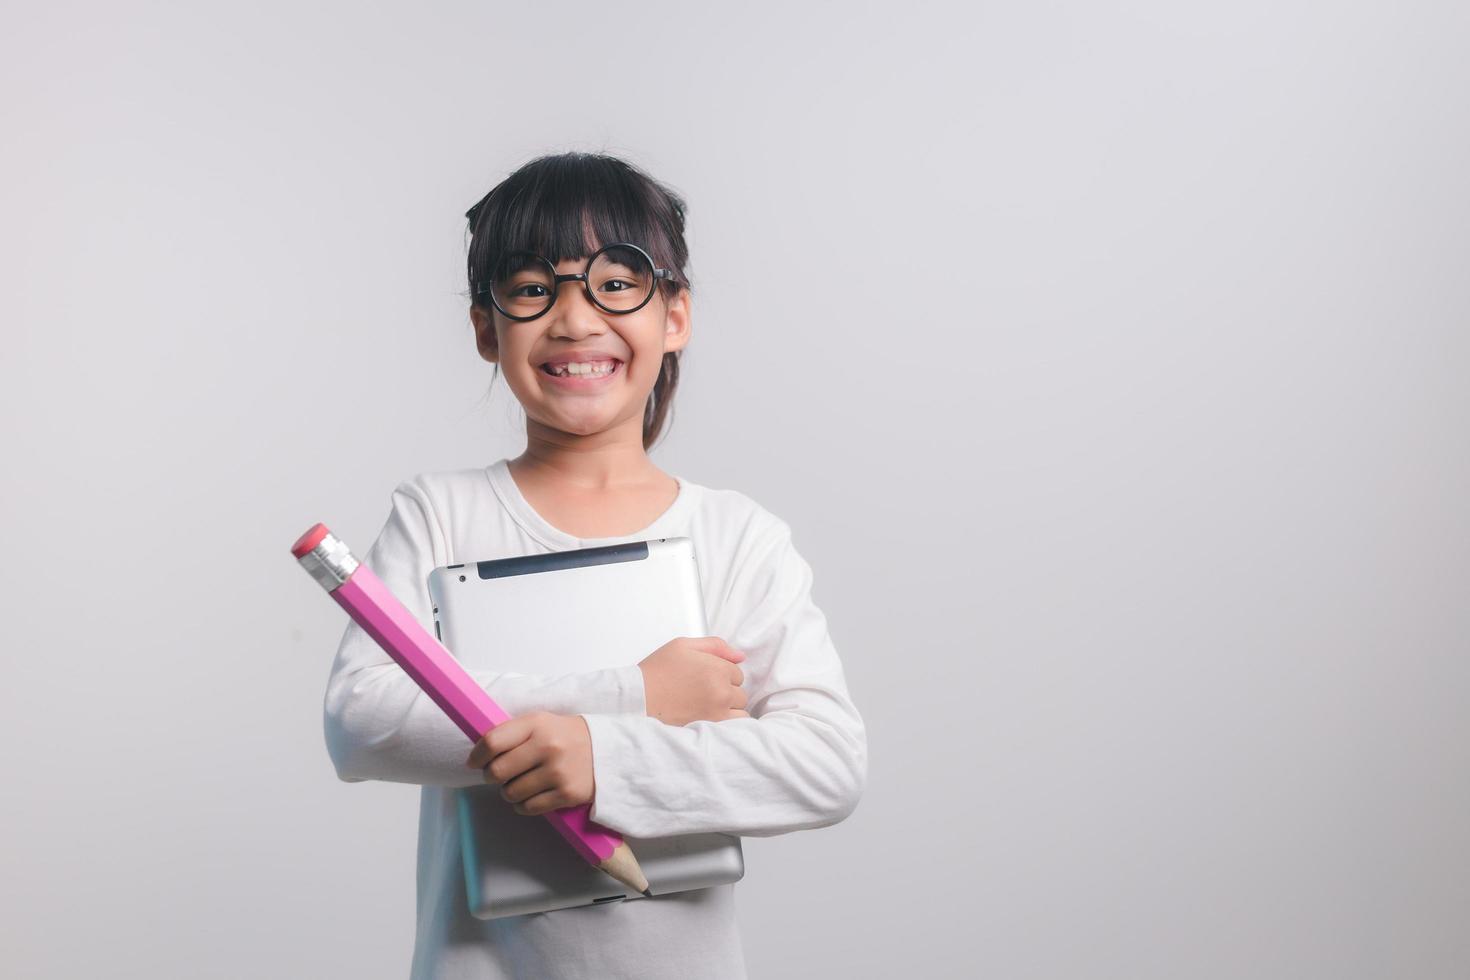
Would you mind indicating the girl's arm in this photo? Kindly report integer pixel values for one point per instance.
(799, 761)
(381, 725)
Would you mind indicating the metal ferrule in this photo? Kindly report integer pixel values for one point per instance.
(330, 562)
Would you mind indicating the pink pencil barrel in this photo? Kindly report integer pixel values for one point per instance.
(370, 603)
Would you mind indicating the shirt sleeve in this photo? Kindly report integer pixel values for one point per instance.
(379, 723)
(798, 762)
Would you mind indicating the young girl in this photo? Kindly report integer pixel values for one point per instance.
(579, 297)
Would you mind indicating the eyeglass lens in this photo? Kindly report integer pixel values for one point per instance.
(620, 279)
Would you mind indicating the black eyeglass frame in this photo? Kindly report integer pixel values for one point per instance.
(487, 289)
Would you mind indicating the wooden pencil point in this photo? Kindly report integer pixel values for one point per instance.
(623, 866)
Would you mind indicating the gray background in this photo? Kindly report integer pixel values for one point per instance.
(1108, 361)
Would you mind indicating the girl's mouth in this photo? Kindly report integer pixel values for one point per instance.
(582, 381)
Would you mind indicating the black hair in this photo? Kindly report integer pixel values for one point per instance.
(551, 205)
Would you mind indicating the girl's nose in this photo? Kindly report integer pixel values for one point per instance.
(573, 315)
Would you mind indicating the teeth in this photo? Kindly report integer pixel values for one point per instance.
(580, 368)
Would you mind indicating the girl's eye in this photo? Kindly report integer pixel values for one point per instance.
(517, 291)
(620, 282)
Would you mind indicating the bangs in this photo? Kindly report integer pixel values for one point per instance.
(569, 206)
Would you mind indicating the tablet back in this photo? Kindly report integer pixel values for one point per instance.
(554, 614)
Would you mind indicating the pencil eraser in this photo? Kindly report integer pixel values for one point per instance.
(309, 540)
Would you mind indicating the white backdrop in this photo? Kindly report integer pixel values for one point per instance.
(1108, 361)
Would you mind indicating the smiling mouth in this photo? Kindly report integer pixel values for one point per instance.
(584, 369)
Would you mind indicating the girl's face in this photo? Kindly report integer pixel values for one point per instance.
(576, 330)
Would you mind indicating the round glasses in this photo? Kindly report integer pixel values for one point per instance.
(619, 278)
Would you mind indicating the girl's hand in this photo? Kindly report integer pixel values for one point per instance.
(694, 678)
(543, 761)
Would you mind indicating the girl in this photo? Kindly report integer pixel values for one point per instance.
(580, 299)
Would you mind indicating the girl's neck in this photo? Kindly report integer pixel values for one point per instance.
(605, 461)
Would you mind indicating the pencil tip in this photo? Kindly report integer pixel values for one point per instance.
(647, 893)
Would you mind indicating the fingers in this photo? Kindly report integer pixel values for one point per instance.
(504, 766)
(540, 804)
(526, 785)
(737, 710)
(509, 766)
(480, 754)
(501, 738)
(718, 647)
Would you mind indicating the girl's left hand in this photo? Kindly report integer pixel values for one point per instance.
(542, 761)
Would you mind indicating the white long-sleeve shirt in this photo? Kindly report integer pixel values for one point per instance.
(798, 762)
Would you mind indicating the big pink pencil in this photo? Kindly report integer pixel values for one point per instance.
(369, 602)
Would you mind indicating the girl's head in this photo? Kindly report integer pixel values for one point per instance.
(548, 218)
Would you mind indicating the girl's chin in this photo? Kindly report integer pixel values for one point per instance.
(582, 416)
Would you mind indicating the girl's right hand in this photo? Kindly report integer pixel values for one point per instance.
(694, 678)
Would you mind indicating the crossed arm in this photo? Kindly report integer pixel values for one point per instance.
(799, 761)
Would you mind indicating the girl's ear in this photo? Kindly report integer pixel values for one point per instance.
(485, 340)
(677, 322)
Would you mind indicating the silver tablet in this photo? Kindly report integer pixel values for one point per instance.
(554, 614)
